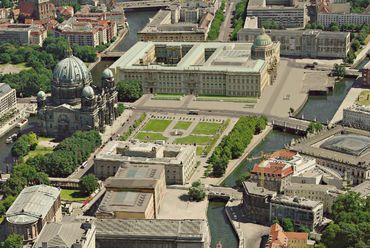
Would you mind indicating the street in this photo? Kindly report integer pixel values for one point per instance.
(226, 29)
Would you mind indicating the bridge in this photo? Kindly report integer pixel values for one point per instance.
(108, 55)
(297, 126)
(156, 4)
(223, 193)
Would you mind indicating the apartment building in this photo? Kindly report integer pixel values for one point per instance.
(326, 19)
(8, 99)
(36, 9)
(25, 34)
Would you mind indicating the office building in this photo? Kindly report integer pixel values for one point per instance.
(278, 238)
(8, 99)
(152, 233)
(304, 43)
(327, 194)
(285, 17)
(24, 34)
(142, 178)
(33, 208)
(357, 116)
(340, 19)
(210, 68)
(67, 234)
(179, 161)
(340, 148)
(301, 211)
(126, 205)
(36, 9)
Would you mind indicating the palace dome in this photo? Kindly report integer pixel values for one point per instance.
(41, 95)
(88, 92)
(71, 71)
(262, 40)
(107, 73)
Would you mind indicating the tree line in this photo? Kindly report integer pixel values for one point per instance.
(24, 144)
(233, 145)
(239, 18)
(214, 30)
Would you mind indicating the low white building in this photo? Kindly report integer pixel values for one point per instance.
(8, 99)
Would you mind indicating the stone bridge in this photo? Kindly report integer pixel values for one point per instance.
(146, 4)
(223, 192)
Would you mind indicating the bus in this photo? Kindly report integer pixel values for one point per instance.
(193, 112)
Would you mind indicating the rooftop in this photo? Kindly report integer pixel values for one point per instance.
(254, 189)
(152, 229)
(143, 153)
(281, 32)
(136, 176)
(363, 189)
(225, 57)
(4, 89)
(313, 187)
(62, 234)
(31, 204)
(125, 202)
(296, 202)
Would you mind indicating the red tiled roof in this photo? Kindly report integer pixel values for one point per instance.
(285, 154)
(277, 237)
(297, 235)
(281, 169)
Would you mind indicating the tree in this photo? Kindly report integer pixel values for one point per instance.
(304, 229)
(4, 58)
(129, 90)
(85, 53)
(89, 184)
(288, 225)
(120, 108)
(197, 191)
(6, 4)
(355, 45)
(13, 241)
(314, 127)
(339, 70)
(56, 46)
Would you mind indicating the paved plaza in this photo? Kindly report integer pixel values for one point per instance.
(176, 205)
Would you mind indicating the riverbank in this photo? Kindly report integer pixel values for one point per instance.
(236, 162)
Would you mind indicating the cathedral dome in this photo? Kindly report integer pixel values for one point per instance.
(107, 73)
(262, 40)
(71, 71)
(87, 92)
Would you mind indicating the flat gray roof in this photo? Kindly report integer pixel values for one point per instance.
(233, 57)
(363, 189)
(4, 89)
(31, 204)
(125, 201)
(152, 229)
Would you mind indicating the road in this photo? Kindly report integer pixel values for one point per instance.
(226, 25)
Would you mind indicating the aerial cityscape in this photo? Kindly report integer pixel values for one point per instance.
(184, 123)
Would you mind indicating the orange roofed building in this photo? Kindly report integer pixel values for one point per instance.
(280, 239)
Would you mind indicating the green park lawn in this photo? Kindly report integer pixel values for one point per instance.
(40, 150)
(200, 150)
(156, 125)
(72, 195)
(145, 136)
(364, 98)
(206, 128)
(194, 139)
(183, 125)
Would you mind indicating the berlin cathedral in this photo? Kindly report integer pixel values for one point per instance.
(75, 103)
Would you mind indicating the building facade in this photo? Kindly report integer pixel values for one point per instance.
(74, 104)
(36, 9)
(179, 161)
(326, 19)
(301, 211)
(357, 116)
(152, 233)
(8, 99)
(280, 239)
(33, 208)
(327, 194)
(366, 74)
(286, 17)
(142, 178)
(304, 43)
(228, 69)
(24, 34)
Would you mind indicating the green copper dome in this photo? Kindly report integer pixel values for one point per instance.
(107, 74)
(41, 95)
(71, 71)
(262, 40)
(87, 92)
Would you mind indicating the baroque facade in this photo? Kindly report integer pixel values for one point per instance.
(74, 104)
(207, 68)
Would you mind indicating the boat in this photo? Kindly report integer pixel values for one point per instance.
(22, 123)
(11, 138)
(127, 25)
(219, 245)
